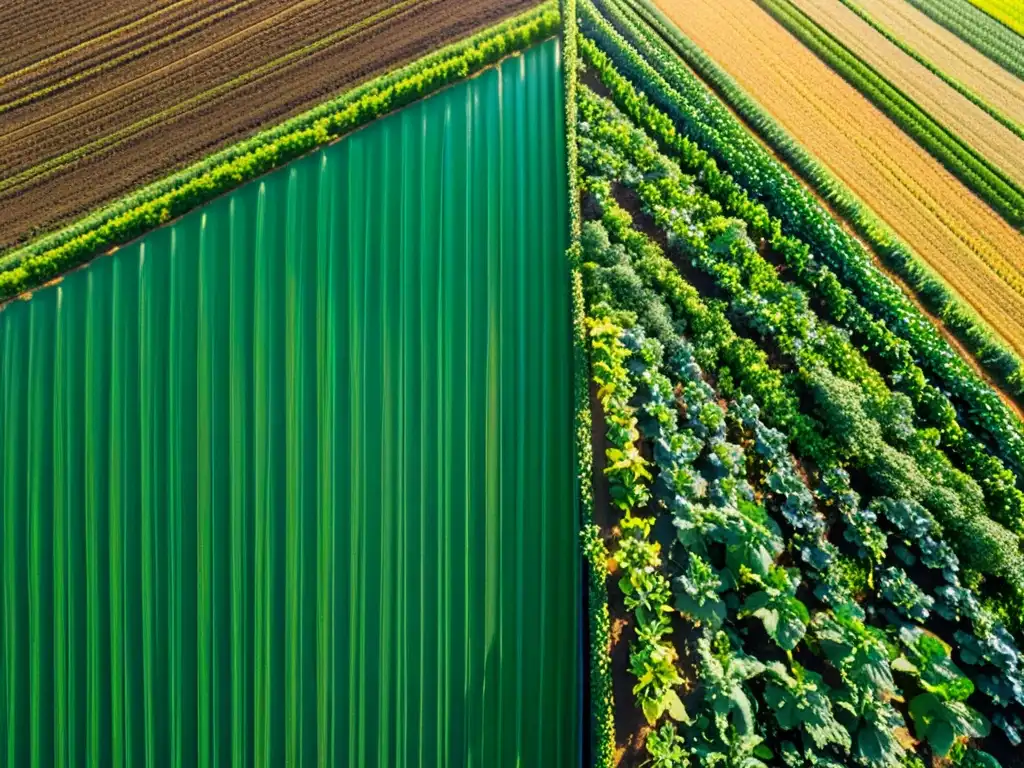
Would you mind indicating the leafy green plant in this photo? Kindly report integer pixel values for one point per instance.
(908, 598)
(785, 618)
(652, 661)
(945, 722)
(627, 470)
(652, 658)
(667, 748)
(872, 721)
(940, 713)
(724, 674)
(856, 649)
(697, 592)
(801, 700)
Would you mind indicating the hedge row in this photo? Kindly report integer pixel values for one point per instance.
(34, 264)
(595, 554)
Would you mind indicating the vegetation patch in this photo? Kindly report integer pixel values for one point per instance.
(811, 572)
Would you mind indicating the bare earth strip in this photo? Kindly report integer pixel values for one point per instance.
(952, 55)
(956, 113)
(962, 238)
(34, 29)
(104, 114)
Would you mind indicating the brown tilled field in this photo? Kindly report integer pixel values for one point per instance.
(963, 239)
(103, 97)
(951, 54)
(969, 122)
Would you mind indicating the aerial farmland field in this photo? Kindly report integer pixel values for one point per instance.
(951, 54)
(993, 140)
(86, 120)
(612, 383)
(960, 237)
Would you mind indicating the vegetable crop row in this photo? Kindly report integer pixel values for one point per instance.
(760, 301)
(699, 118)
(700, 482)
(769, 309)
(711, 508)
(840, 306)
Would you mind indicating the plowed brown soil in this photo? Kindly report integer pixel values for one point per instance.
(129, 96)
(962, 238)
(951, 54)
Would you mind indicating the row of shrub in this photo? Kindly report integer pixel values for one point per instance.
(36, 263)
(595, 552)
(697, 114)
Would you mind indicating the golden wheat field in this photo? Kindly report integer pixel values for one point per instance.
(966, 120)
(951, 54)
(957, 233)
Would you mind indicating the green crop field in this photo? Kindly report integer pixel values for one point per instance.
(294, 477)
(586, 384)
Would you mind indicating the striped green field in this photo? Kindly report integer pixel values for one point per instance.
(968, 22)
(291, 480)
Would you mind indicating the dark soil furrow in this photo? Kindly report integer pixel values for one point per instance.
(36, 206)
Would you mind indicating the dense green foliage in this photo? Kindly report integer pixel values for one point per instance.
(977, 28)
(799, 484)
(28, 267)
(595, 553)
(962, 160)
(894, 356)
(701, 118)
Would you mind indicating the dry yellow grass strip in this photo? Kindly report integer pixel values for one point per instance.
(951, 54)
(956, 113)
(960, 236)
